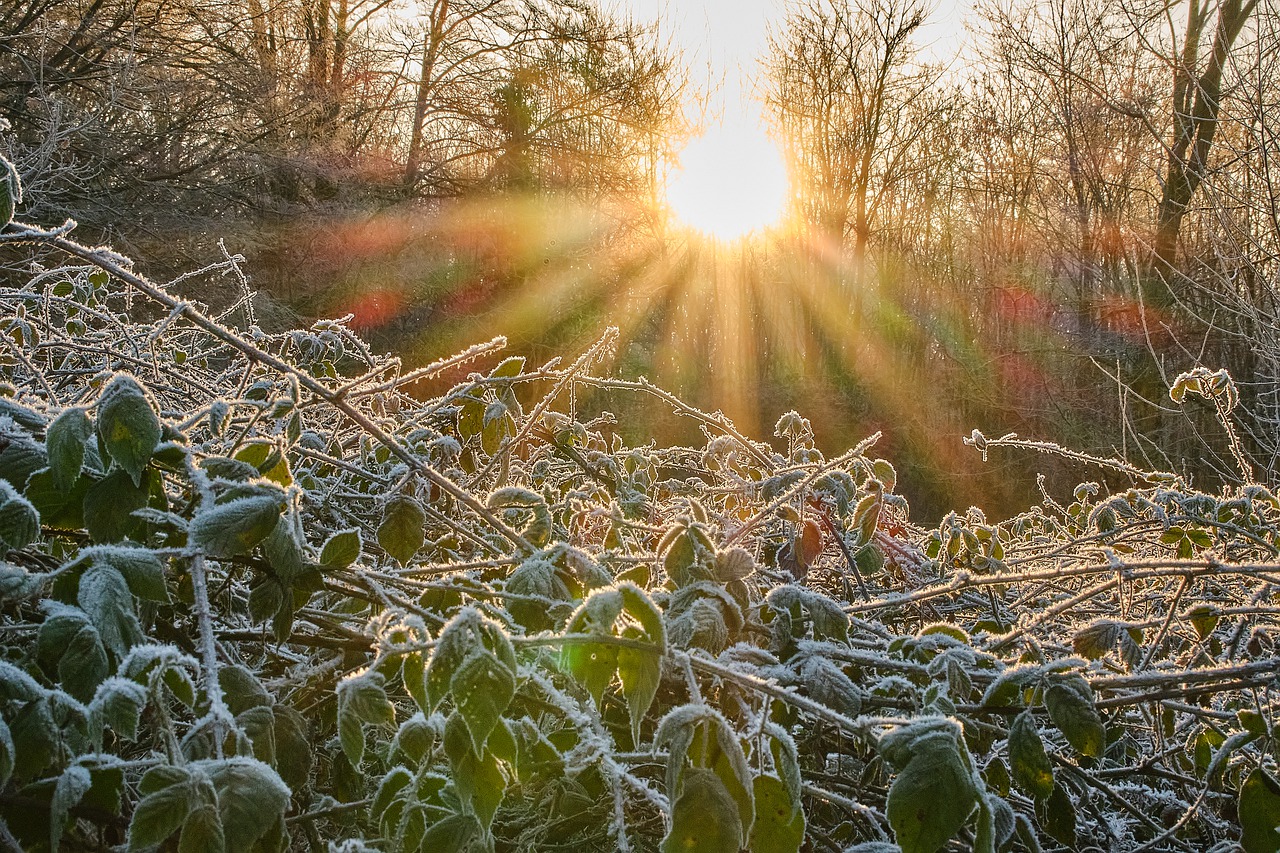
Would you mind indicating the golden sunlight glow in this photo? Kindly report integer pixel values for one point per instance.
(731, 181)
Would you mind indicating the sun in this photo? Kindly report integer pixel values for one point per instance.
(731, 181)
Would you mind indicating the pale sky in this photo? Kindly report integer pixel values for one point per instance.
(733, 180)
(727, 37)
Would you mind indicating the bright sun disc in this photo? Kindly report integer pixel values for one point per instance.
(731, 182)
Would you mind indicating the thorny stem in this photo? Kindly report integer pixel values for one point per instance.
(208, 650)
(337, 399)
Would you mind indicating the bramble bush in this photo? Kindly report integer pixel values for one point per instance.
(256, 595)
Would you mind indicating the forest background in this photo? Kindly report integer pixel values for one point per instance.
(1034, 240)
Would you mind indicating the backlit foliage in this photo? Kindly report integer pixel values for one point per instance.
(257, 594)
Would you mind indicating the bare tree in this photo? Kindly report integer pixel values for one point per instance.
(842, 84)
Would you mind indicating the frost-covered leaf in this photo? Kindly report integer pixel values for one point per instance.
(780, 823)
(104, 595)
(83, 664)
(65, 444)
(640, 672)
(67, 793)
(1057, 816)
(538, 528)
(483, 687)
(19, 521)
(293, 746)
(117, 706)
(6, 753)
(202, 831)
(401, 532)
(283, 550)
(18, 584)
(163, 808)
(10, 191)
(362, 699)
(225, 530)
(415, 739)
(140, 567)
(395, 781)
(704, 817)
(251, 798)
(128, 428)
(452, 834)
(478, 776)
(1204, 619)
(109, 505)
(933, 795)
(1069, 701)
(241, 689)
(1028, 761)
(827, 684)
(1096, 639)
(341, 549)
(734, 564)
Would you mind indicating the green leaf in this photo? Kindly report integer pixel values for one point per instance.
(293, 746)
(163, 808)
(932, 797)
(128, 428)
(104, 595)
(640, 672)
(1259, 810)
(109, 505)
(415, 739)
(283, 549)
(67, 793)
(365, 696)
(538, 528)
(361, 699)
(413, 674)
(258, 724)
(251, 798)
(780, 823)
(6, 753)
(1096, 639)
(395, 781)
(83, 665)
(1069, 701)
(478, 776)
(1057, 816)
(19, 521)
(483, 687)
(1030, 765)
(241, 689)
(1204, 618)
(117, 706)
(202, 831)
(704, 817)
(342, 549)
(225, 530)
(402, 530)
(593, 664)
(453, 834)
(23, 456)
(65, 444)
(508, 367)
(141, 568)
(18, 584)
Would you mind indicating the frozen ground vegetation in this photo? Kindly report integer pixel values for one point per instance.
(263, 592)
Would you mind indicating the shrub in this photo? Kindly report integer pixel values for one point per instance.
(257, 595)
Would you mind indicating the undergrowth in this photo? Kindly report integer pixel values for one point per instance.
(259, 595)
